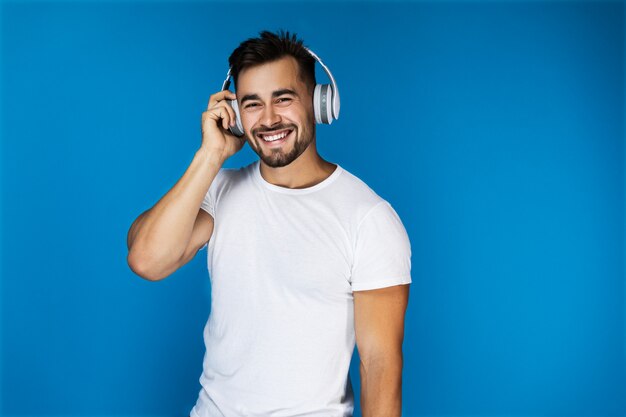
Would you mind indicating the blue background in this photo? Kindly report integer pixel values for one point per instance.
(495, 129)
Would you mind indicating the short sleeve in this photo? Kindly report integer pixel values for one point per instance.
(208, 202)
(382, 255)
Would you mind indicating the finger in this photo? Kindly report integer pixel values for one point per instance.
(231, 114)
(223, 115)
(219, 114)
(221, 95)
(229, 109)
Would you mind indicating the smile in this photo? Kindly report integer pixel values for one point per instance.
(275, 136)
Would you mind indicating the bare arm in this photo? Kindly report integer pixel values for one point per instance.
(169, 234)
(379, 330)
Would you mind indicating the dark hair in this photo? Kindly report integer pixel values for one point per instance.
(270, 47)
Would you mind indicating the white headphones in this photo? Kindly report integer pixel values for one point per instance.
(325, 100)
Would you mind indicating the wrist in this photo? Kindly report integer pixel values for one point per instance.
(210, 157)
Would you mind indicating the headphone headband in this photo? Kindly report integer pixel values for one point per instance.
(226, 82)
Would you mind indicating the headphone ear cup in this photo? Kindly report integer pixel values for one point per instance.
(237, 129)
(316, 103)
(322, 103)
(336, 104)
(328, 103)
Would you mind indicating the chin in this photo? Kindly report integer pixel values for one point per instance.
(276, 164)
(282, 161)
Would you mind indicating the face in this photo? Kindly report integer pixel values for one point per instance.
(276, 111)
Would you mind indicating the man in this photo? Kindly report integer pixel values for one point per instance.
(304, 257)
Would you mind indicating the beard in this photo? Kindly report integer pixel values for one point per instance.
(277, 157)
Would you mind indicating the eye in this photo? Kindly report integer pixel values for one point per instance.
(284, 99)
(251, 105)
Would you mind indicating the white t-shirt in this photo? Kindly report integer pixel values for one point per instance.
(283, 264)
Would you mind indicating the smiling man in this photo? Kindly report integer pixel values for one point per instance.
(305, 259)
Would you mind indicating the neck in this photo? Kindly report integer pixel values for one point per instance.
(306, 171)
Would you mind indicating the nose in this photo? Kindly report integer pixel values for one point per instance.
(269, 117)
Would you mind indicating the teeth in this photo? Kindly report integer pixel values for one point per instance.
(275, 137)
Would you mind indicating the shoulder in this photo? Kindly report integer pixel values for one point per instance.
(361, 197)
(227, 176)
(225, 180)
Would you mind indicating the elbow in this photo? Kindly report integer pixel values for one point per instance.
(144, 268)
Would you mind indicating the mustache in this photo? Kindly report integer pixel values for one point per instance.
(274, 129)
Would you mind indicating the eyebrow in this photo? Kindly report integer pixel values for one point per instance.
(274, 94)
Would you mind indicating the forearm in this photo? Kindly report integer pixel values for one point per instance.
(381, 388)
(159, 237)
